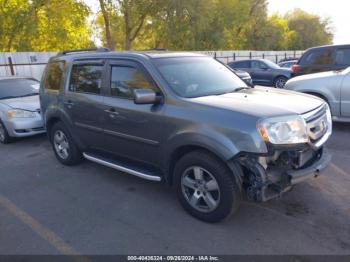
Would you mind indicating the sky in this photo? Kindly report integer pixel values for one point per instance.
(337, 10)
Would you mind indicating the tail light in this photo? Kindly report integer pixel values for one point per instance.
(295, 68)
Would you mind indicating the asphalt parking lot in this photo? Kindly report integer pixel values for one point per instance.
(47, 208)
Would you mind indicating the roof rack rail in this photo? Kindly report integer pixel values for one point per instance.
(100, 49)
(156, 49)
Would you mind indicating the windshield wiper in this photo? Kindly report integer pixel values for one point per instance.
(30, 94)
(7, 97)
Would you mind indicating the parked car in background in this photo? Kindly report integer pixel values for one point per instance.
(186, 120)
(287, 64)
(322, 59)
(19, 108)
(263, 72)
(332, 86)
(245, 76)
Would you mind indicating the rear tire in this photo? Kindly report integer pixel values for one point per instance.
(63, 145)
(206, 187)
(4, 135)
(280, 82)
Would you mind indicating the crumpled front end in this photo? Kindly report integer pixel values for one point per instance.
(269, 175)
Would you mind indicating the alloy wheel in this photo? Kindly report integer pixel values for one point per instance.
(280, 82)
(2, 132)
(61, 144)
(200, 188)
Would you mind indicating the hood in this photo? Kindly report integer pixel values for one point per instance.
(263, 102)
(30, 103)
(317, 76)
(329, 78)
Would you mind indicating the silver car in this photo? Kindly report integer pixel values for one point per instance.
(332, 86)
(19, 108)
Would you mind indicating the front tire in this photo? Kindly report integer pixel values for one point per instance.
(206, 187)
(280, 82)
(4, 135)
(64, 146)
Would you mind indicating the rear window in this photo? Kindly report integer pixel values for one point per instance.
(86, 79)
(13, 88)
(242, 64)
(342, 56)
(54, 76)
(318, 57)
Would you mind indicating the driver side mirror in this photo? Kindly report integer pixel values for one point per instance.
(145, 96)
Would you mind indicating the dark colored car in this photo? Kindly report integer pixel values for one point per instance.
(323, 58)
(263, 72)
(186, 120)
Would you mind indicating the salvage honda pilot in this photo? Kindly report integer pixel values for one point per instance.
(186, 120)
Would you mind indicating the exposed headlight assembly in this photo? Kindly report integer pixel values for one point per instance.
(283, 130)
(20, 113)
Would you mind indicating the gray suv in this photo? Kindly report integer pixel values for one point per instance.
(186, 120)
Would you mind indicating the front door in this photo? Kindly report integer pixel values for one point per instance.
(83, 102)
(132, 131)
(345, 96)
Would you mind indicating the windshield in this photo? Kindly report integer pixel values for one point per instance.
(12, 88)
(198, 76)
(271, 64)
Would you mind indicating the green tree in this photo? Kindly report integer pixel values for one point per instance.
(310, 30)
(43, 25)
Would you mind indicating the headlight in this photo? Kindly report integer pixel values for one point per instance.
(284, 130)
(19, 113)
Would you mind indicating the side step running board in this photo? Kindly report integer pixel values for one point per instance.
(121, 168)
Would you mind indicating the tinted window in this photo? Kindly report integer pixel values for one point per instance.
(319, 57)
(258, 65)
(54, 76)
(86, 79)
(124, 79)
(242, 64)
(11, 88)
(198, 76)
(342, 56)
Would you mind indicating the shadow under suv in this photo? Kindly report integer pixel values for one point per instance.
(186, 120)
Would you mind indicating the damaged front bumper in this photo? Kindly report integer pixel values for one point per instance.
(267, 177)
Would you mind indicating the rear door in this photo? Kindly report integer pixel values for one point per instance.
(342, 57)
(84, 102)
(260, 72)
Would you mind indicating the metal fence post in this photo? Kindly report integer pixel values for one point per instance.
(234, 56)
(250, 55)
(263, 55)
(276, 59)
(11, 66)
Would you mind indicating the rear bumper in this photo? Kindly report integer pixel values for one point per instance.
(23, 127)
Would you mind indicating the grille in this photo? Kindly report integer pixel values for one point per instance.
(319, 125)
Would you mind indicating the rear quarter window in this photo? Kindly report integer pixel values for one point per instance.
(342, 56)
(242, 64)
(318, 57)
(54, 76)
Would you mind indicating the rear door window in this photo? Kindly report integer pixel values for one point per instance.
(342, 56)
(86, 79)
(319, 57)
